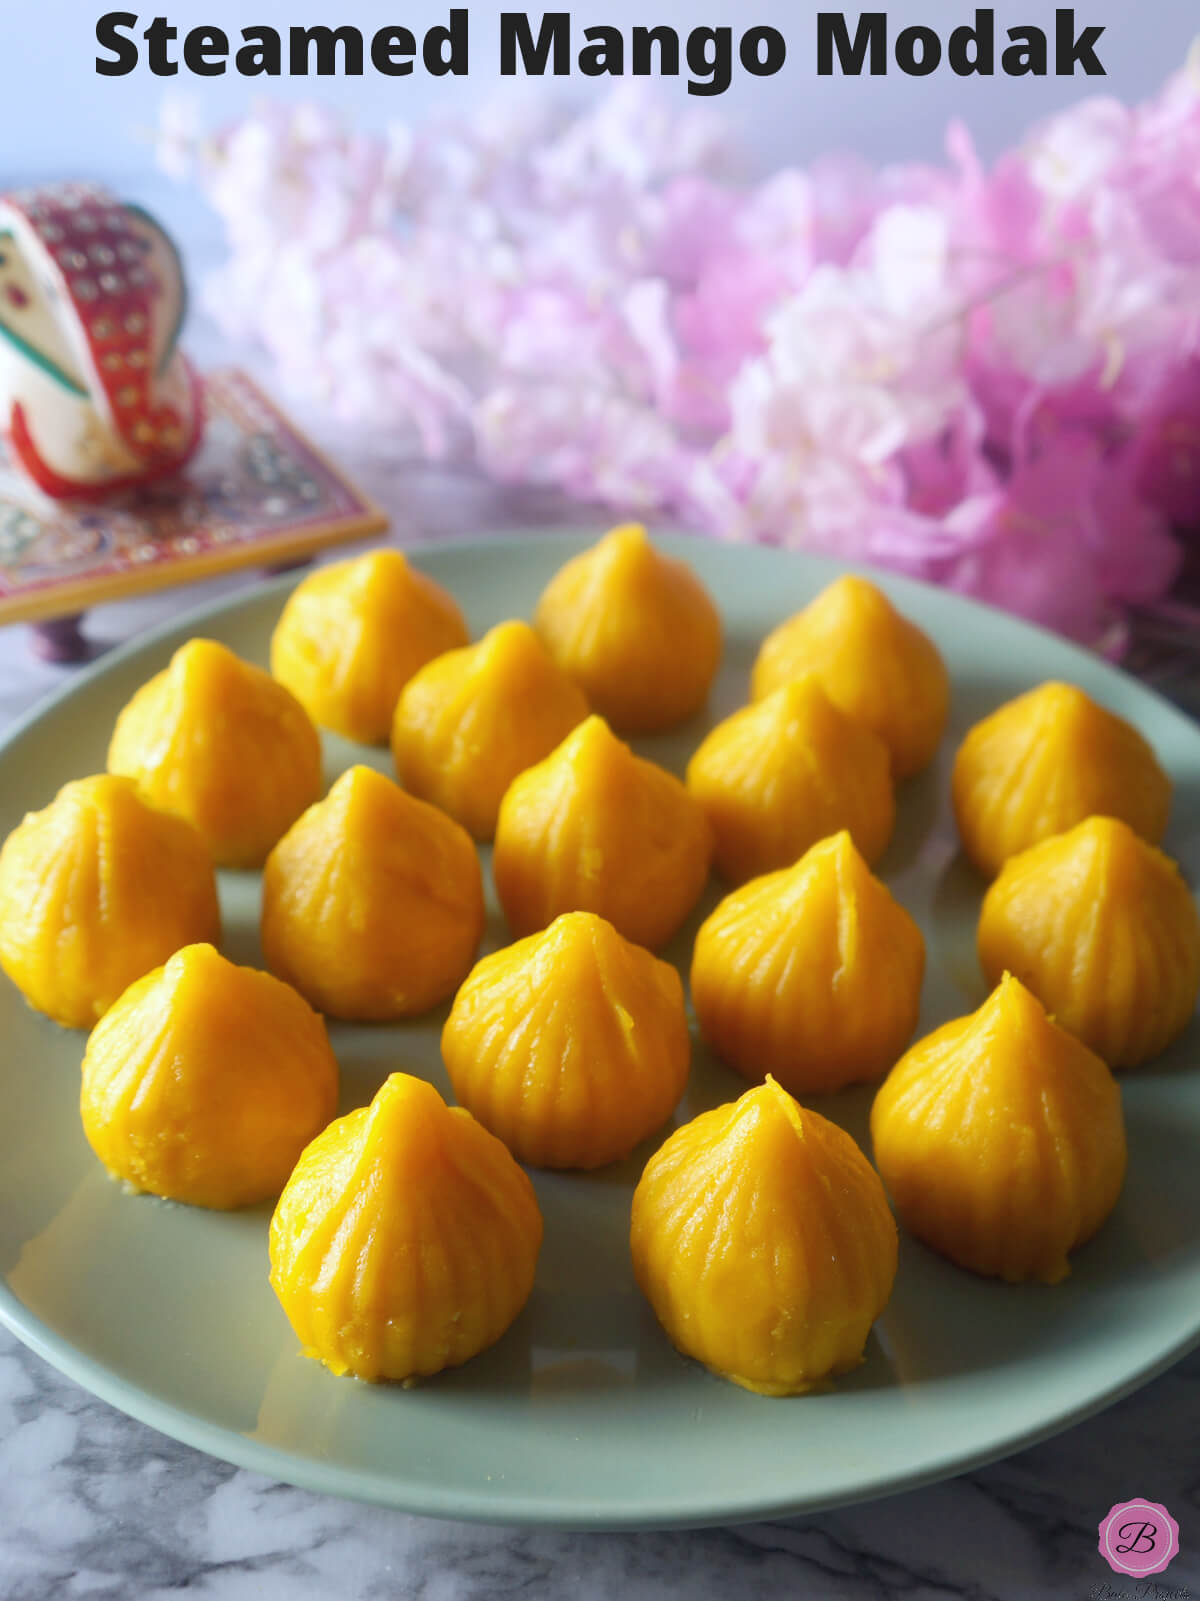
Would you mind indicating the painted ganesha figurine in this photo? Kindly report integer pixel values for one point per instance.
(94, 393)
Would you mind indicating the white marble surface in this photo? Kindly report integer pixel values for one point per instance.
(93, 1504)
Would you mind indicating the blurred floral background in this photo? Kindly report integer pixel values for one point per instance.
(986, 375)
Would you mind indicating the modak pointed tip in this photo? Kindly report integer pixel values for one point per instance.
(582, 939)
(840, 848)
(205, 1081)
(406, 1239)
(217, 741)
(626, 538)
(472, 721)
(762, 1238)
(406, 1119)
(511, 638)
(635, 629)
(1102, 928)
(1045, 762)
(353, 633)
(812, 973)
(387, 559)
(358, 784)
(1013, 1009)
(773, 1094)
(571, 1045)
(875, 664)
(372, 903)
(202, 655)
(1001, 1139)
(593, 734)
(97, 889)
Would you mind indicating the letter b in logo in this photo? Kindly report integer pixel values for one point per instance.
(1139, 1538)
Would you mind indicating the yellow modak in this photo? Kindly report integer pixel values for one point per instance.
(373, 902)
(571, 1045)
(1046, 761)
(635, 629)
(205, 1081)
(792, 769)
(352, 635)
(218, 742)
(95, 891)
(595, 828)
(762, 1238)
(406, 1239)
(1002, 1140)
(873, 663)
(1104, 931)
(812, 974)
(470, 721)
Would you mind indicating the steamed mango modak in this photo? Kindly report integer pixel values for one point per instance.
(352, 635)
(221, 744)
(792, 769)
(635, 629)
(372, 902)
(762, 1238)
(205, 1081)
(812, 974)
(95, 891)
(406, 1239)
(1002, 1140)
(595, 828)
(571, 1045)
(1104, 931)
(470, 721)
(1046, 761)
(873, 663)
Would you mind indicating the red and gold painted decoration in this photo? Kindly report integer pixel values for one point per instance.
(94, 393)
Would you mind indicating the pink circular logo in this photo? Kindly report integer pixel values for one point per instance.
(1139, 1538)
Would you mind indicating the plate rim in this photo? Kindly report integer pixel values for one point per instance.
(478, 1506)
(481, 1505)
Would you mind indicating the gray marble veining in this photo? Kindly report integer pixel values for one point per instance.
(93, 1504)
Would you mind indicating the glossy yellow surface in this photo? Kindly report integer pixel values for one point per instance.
(470, 721)
(95, 890)
(635, 629)
(352, 635)
(1002, 1140)
(595, 828)
(762, 1238)
(1046, 761)
(571, 1045)
(205, 1081)
(812, 974)
(219, 743)
(406, 1239)
(875, 664)
(1104, 931)
(373, 902)
(788, 771)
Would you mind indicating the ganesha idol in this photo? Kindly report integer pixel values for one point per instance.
(94, 393)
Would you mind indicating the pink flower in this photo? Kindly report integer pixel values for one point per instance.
(988, 377)
(1167, 449)
(1064, 541)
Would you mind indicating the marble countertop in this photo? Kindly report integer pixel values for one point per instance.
(93, 1504)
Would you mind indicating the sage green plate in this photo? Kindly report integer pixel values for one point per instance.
(583, 1415)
